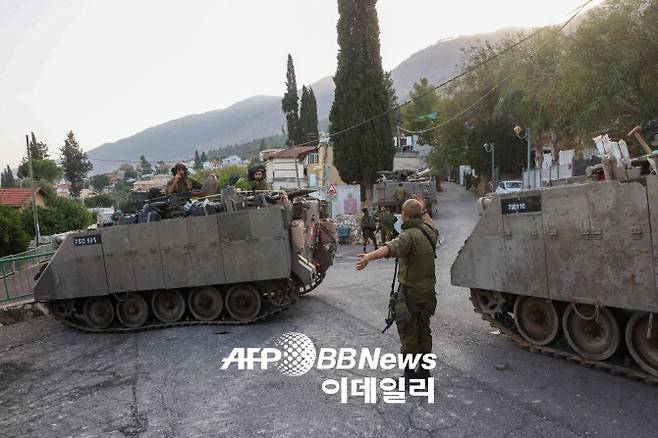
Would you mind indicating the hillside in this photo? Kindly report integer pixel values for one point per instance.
(261, 116)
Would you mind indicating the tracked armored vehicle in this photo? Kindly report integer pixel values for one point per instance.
(572, 270)
(233, 259)
(384, 190)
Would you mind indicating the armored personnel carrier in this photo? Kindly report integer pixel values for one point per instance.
(384, 189)
(572, 270)
(232, 258)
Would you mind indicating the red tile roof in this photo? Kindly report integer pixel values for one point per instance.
(16, 197)
(294, 152)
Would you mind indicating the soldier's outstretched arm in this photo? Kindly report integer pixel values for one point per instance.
(363, 260)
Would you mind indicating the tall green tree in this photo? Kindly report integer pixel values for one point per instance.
(290, 106)
(145, 165)
(308, 116)
(76, 164)
(7, 179)
(38, 149)
(99, 182)
(204, 157)
(392, 99)
(361, 94)
(198, 164)
(419, 114)
(44, 170)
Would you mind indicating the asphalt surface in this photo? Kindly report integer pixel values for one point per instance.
(166, 383)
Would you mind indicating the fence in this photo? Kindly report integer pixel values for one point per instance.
(17, 272)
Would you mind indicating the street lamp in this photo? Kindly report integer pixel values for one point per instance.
(526, 136)
(491, 147)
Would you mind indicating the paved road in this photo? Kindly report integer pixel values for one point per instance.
(57, 382)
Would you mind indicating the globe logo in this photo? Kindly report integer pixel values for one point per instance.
(298, 354)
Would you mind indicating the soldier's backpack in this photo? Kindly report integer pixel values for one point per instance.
(148, 216)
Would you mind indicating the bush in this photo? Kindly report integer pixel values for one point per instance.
(13, 238)
(58, 216)
(100, 200)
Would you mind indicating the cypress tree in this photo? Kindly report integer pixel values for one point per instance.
(10, 181)
(197, 161)
(290, 106)
(38, 149)
(361, 93)
(75, 163)
(308, 116)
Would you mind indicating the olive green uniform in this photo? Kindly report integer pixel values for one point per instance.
(368, 230)
(417, 276)
(260, 185)
(182, 186)
(400, 195)
(386, 221)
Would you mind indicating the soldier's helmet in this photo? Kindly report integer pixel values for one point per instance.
(178, 166)
(259, 167)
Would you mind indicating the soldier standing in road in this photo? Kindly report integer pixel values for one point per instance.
(415, 250)
(386, 221)
(368, 228)
(400, 195)
(181, 182)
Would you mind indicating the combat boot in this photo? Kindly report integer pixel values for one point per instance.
(409, 373)
(421, 373)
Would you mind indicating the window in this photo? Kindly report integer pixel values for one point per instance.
(312, 158)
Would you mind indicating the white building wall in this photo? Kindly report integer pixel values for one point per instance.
(282, 173)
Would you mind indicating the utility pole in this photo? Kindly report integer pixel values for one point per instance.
(35, 216)
(491, 147)
(527, 136)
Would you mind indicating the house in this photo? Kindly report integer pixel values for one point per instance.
(327, 172)
(62, 189)
(267, 153)
(212, 164)
(411, 157)
(288, 168)
(154, 181)
(21, 198)
(232, 160)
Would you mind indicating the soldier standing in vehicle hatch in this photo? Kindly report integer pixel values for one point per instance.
(415, 250)
(181, 182)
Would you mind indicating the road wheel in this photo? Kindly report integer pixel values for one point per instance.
(62, 308)
(536, 319)
(243, 302)
(643, 343)
(206, 303)
(168, 305)
(132, 310)
(98, 312)
(591, 332)
(487, 302)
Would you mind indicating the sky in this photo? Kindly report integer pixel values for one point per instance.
(107, 69)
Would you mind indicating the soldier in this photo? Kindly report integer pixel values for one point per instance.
(400, 195)
(181, 182)
(414, 248)
(259, 182)
(368, 228)
(386, 221)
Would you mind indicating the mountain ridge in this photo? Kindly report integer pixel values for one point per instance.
(260, 115)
